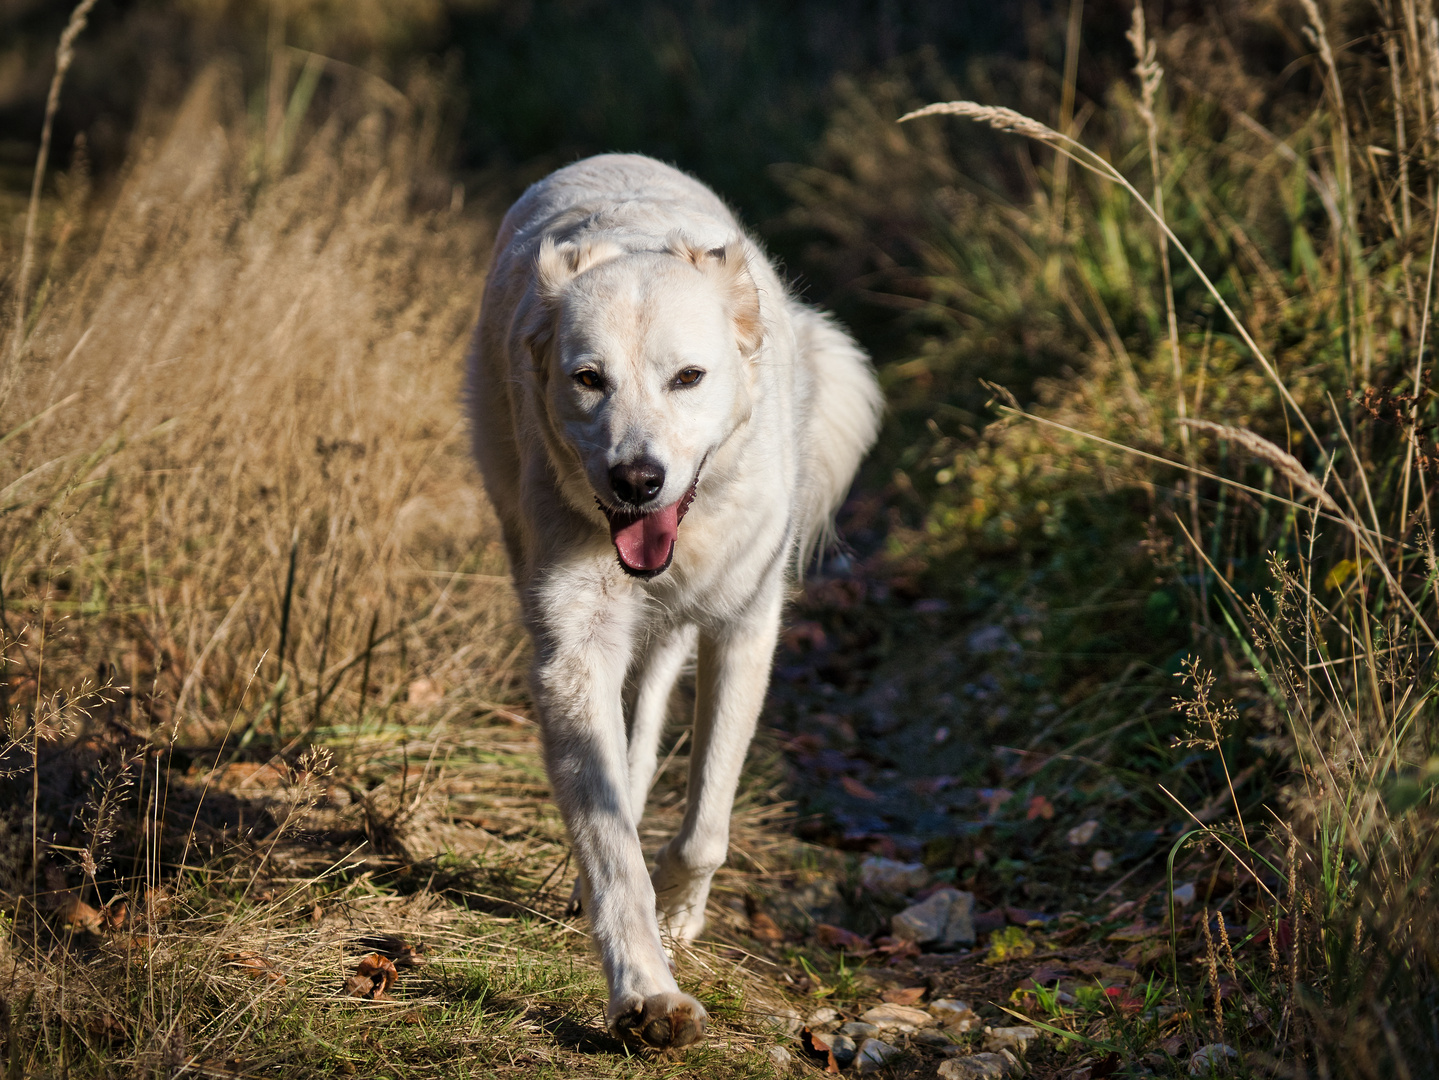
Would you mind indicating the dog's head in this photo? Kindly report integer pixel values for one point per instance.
(645, 366)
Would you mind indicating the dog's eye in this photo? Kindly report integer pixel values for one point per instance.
(589, 378)
(688, 377)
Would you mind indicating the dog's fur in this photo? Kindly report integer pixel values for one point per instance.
(614, 281)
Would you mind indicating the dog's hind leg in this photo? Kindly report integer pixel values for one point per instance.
(730, 685)
(656, 682)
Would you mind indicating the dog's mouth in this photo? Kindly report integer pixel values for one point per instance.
(645, 542)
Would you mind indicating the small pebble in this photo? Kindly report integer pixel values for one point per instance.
(1082, 834)
(979, 1067)
(930, 1037)
(888, 877)
(872, 1055)
(1211, 1058)
(843, 1049)
(1102, 861)
(897, 1016)
(781, 1057)
(954, 1014)
(858, 1029)
(1009, 1038)
(822, 1019)
(785, 1021)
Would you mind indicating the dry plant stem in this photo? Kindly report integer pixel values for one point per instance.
(1060, 203)
(64, 57)
(1003, 119)
(1411, 439)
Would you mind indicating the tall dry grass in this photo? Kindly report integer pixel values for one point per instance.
(235, 420)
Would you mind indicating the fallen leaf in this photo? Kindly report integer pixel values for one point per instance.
(256, 966)
(116, 913)
(854, 787)
(906, 995)
(158, 901)
(764, 928)
(76, 915)
(1040, 807)
(837, 937)
(359, 986)
(379, 969)
(1137, 932)
(897, 949)
(317, 915)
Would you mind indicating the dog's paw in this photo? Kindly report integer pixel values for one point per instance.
(662, 1021)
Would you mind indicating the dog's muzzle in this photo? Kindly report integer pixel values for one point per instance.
(645, 542)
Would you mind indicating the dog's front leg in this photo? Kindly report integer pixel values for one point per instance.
(732, 676)
(579, 674)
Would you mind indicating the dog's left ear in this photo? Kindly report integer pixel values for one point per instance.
(728, 268)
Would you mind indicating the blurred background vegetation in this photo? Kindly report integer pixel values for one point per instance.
(1023, 592)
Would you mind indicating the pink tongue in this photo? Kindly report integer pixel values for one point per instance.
(644, 543)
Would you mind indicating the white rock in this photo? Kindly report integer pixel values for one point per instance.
(1082, 833)
(822, 1018)
(1009, 1038)
(931, 1037)
(873, 1053)
(858, 1029)
(1211, 1058)
(1102, 861)
(785, 1021)
(945, 918)
(890, 878)
(781, 1057)
(1184, 894)
(897, 1016)
(954, 1014)
(978, 1067)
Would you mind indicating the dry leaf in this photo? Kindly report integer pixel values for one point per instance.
(76, 915)
(764, 928)
(837, 937)
(359, 986)
(381, 971)
(158, 902)
(1040, 807)
(906, 995)
(854, 787)
(256, 966)
(117, 912)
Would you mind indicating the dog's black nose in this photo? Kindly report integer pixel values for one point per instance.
(637, 482)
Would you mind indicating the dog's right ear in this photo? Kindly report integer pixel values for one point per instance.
(556, 265)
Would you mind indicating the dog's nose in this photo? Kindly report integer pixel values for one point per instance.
(637, 482)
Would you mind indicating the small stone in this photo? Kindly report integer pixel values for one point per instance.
(1213, 1057)
(945, 918)
(872, 1055)
(897, 1016)
(954, 1014)
(781, 1057)
(930, 1037)
(785, 1021)
(1184, 894)
(859, 1030)
(890, 878)
(822, 1019)
(976, 1067)
(923, 922)
(1009, 1038)
(1082, 833)
(842, 1048)
(1102, 861)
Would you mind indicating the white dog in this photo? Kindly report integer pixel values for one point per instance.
(665, 434)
